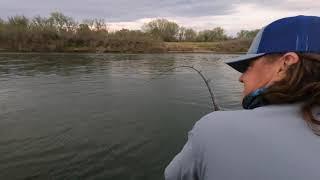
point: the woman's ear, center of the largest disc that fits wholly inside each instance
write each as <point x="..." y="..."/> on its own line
<point x="284" y="62"/>
<point x="289" y="59"/>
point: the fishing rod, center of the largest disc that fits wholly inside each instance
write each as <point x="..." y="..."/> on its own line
<point x="215" y="107"/>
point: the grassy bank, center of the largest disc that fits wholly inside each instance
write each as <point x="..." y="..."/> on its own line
<point x="229" y="46"/>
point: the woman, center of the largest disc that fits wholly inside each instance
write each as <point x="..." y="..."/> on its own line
<point x="276" y="137"/>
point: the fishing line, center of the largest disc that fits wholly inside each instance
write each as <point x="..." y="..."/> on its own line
<point x="215" y="106"/>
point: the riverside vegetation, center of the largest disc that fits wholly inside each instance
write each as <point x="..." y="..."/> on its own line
<point x="60" y="33"/>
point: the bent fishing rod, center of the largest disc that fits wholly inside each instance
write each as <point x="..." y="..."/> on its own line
<point x="215" y="106"/>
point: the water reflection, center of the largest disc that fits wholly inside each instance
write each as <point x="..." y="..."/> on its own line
<point x="62" y="64"/>
<point x="67" y="64"/>
<point x="89" y="116"/>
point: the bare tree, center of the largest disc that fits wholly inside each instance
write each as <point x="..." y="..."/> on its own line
<point x="166" y="30"/>
<point x="216" y="34"/>
<point x="247" y="34"/>
<point x="190" y="35"/>
<point x="61" y="22"/>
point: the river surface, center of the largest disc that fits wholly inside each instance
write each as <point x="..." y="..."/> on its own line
<point x="106" y="116"/>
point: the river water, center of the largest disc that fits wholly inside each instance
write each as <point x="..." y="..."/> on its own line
<point x="106" y="116"/>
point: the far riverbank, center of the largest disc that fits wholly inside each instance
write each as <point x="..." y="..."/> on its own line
<point x="226" y="47"/>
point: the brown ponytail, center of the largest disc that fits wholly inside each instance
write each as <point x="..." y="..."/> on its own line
<point x="301" y="84"/>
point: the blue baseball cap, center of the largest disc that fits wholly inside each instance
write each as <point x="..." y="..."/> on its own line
<point x="291" y="34"/>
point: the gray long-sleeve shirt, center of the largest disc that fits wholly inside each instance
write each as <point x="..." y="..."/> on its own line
<point x="267" y="143"/>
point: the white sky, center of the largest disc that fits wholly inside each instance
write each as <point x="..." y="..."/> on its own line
<point x="232" y="15"/>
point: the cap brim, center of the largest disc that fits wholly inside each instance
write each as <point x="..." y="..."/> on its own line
<point x="241" y="63"/>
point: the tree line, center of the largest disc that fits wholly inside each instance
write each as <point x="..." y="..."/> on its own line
<point x="170" y="31"/>
<point x="62" y="33"/>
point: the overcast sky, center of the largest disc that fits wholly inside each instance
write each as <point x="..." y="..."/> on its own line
<point x="232" y="15"/>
